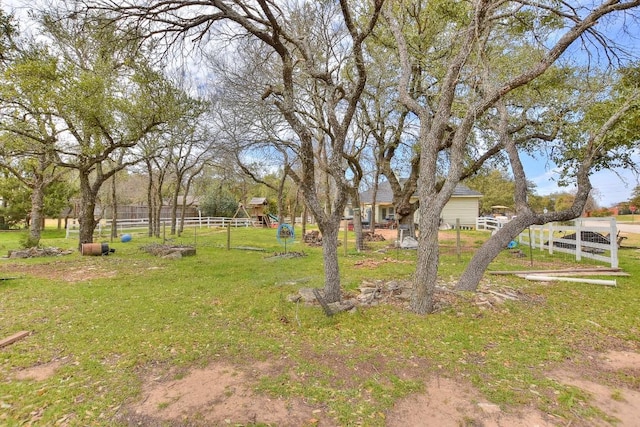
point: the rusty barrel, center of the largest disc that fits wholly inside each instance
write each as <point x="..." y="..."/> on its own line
<point x="94" y="249"/>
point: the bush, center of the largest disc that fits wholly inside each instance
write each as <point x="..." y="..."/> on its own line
<point x="219" y="203"/>
<point x="600" y="213"/>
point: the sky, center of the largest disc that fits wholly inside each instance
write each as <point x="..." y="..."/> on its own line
<point x="611" y="186"/>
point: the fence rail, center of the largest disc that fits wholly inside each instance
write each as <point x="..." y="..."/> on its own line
<point x="490" y="223"/>
<point x="130" y="225"/>
<point x="594" y="242"/>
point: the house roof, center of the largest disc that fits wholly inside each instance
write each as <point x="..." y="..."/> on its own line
<point x="385" y="195"/>
<point x="257" y="201"/>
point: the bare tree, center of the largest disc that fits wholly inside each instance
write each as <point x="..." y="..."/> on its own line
<point x="192" y="148"/>
<point x="319" y="47"/>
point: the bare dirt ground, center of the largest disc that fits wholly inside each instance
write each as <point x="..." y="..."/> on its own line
<point x="226" y="394"/>
<point x="223" y="394"/>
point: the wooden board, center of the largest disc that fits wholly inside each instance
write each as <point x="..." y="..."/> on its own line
<point x="583" y="273"/>
<point x="565" y="270"/>
<point x="13" y="338"/>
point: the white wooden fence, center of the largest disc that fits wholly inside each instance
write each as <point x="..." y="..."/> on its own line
<point x="598" y="242"/>
<point x="490" y="223"/>
<point x="130" y="225"/>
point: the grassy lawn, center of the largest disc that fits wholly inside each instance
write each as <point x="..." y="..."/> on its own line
<point x="111" y="321"/>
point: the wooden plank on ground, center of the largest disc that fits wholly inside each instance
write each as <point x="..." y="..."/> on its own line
<point x="583" y="273"/>
<point x="13" y="338"/>
<point x="564" y="270"/>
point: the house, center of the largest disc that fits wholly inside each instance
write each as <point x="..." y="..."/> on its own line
<point x="463" y="205"/>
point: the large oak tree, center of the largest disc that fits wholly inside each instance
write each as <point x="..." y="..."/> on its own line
<point x="492" y="48"/>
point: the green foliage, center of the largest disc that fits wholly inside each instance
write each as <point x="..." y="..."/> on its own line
<point x="7" y="32"/>
<point x="16" y="202"/>
<point x="601" y="213"/>
<point x="496" y="188"/>
<point x="57" y="197"/>
<point x="219" y="202"/>
<point x="563" y="201"/>
<point x="635" y="197"/>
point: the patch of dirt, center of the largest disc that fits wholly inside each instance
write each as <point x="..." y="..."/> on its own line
<point x="448" y="403"/>
<point x="224" y="395"/>
<point x="619" y="360"/>
<point x="373" y="263"/>
<point x="612" y="380"/>
<point x="82" y="270"/>
<point x="218" y="395"/>
<point x="38" y="372"/>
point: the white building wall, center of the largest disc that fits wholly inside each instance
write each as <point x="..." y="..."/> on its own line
<point x="466" y="209"/>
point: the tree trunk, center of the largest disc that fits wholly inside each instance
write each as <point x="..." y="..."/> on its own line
<point x="427" y="262"/>
<point x="374" y="195"/>
<point x="114" y="208"/>
<point x="183" y="212"/>
<point x="280" y="203"/>
<point x="292" y="211"/>
<point x="406" y="223"/>
<point x="86" y="216"/>
<point x="174" y="207"/>
<point x="489" y="250"/>
<point x="37" y="207"/>
<point x="150" y="199"/>
<point x="332" y="290"/>
<point x="404" y="213"/>
<point x="157" y="218"/>
<point x="357" y="221"/>
<point x="304" y="219"/>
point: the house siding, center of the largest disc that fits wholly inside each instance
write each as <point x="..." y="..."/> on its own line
<point x="463" y="208"/>
<point x="463" y="204"/>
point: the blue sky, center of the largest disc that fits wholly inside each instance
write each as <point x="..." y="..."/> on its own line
<point x="611" y="186"/>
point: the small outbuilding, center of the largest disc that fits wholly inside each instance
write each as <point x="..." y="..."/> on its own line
<point x="257" y="210"/>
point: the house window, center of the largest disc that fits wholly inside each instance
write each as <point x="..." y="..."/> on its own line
<point x="387" y="213"/>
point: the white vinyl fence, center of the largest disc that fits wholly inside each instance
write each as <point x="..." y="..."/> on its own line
<point x="598" y="242"/>
<point x="130" y="225"/>
<point x="490" y="223"/>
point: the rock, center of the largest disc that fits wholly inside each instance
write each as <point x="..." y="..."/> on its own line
<point x="409" y="243"/>
<point x="38" y="252"/>
<point x="166" y="250"/>
<point x="369" y="236"/>
<point x="313" y="238"/>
